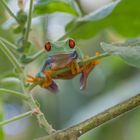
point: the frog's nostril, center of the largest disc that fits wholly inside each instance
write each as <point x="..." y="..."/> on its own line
<point x="71" y="43"/>
<point x="48" y="46"/>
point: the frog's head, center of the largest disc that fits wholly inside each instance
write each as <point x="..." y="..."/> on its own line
<point x="60" y="47"/>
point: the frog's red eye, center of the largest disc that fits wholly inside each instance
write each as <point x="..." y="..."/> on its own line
<point x="48" y="46"/>
<point x="71" y="43"/>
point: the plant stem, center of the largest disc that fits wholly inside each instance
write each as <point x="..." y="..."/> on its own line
<point x="11" y="57"/>
<point x="13" y="46"/>
<point x="40" y="116"/>
<point x="29" y="59"/>
<point x="8" y="9"/>
<point x="28" y="22"/>
<point x="15" y="93"/>
<point x="44" y="123"/>
<point x="16" y="118"/>
<point x="38" y="54"/>
<point x="103" y="55"/>
<point x="95" y="121"/>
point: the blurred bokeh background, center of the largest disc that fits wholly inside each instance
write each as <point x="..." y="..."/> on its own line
<point x="108" y="84"/>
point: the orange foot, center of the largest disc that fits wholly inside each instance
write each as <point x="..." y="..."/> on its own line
<point x="34" y="80"/>
<point x="43" y="82"/>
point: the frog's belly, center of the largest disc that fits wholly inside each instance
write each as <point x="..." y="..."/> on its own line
<point x="61" y="60"/>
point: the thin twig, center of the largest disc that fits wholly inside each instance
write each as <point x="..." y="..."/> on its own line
<point x="28" y="22"/>
<point x="95" y="121"/>
<point x="8" y="9"/>
<point x="33" y="106"/>
<point x="29" y="59"/>
<point x="22" y="116"/>
<point x="13" y="46"/>
<point x="15" y="93"/>
<point x="40" y="116"/>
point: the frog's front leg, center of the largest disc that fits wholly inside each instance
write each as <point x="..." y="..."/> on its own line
<point x="49" y="83"/>
<point x="45" y="65"/>
<point x="47" y="76"/>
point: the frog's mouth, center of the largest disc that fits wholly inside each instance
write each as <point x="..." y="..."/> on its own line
<point x="61" y="53"/>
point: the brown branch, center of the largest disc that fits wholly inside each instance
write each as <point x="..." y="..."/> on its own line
<point x="72" y="133"/>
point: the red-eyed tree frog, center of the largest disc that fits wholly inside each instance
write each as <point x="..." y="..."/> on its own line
<point x="63" y="54"/>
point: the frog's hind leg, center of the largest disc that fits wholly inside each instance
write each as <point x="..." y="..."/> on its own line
<point x="49" y="83"/>
<point x="87" y="68"/>
<point x="53" y="87"/>
<point x="83" y="79"/>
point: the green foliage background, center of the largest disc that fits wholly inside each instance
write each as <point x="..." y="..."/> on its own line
<point x="111" y="82"/>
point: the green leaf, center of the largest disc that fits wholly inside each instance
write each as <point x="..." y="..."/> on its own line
<point x="76" y="6"/>
<point x="11" y="57"/>
<point x="12" y="83"/>
<point x="124" y="19"/>
<point x="100" y="13"/>
<point x="128" y="51"/>
<point x="5" y="65"/>
<point x="50" y="6"/>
